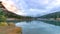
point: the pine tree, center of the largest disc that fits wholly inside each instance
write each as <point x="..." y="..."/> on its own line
<point x="2" y="16"/>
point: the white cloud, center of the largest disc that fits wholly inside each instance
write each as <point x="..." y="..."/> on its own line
<point x="35" y="7"/>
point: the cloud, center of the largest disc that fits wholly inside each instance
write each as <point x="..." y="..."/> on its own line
<point x="42" y="7"/>
<point x="37" y="7"/>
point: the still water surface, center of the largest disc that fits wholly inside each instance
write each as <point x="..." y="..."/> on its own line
<point x="38" y="27"/>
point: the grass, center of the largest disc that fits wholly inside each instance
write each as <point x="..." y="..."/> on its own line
<point x="9" y="29"/>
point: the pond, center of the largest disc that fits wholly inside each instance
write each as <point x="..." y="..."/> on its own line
<point x="39" y="27"/>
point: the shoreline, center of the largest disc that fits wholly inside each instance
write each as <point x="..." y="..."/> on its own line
<point x="10" y="29"/>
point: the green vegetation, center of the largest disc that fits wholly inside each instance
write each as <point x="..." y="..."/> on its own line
<point x="3" y="24"/>
<point x="52" y="15"/>
<point x="6" y="28"/>
<point x="2" y="16"/>
<point x="17" y="16"/>
<point x="9" y="28"/>
<point x="9" y="14"/>
<point x="12" y="15"/>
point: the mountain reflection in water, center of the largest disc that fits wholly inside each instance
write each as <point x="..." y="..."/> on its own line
<point x="38" y="27"/>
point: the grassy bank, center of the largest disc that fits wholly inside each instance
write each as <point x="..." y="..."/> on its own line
<point x="9" y="28"/>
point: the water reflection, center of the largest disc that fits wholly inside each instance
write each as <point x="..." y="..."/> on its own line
<point x="38" y="27"/>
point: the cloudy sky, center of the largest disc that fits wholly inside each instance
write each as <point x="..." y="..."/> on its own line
<point x="37" y="7"/>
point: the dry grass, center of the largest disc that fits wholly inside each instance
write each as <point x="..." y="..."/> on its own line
<point x="10" y="29"/>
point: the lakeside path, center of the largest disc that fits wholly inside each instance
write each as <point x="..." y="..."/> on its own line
<point x="10" y="30"/>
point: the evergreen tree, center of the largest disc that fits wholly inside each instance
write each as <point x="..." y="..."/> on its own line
<point x="2" y="16"/>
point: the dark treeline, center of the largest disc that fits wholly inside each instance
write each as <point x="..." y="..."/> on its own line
<point x="51" y="15"/>
<point x="7" y="14"/>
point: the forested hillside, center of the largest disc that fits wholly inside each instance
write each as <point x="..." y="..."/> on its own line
<point x="52" y="15"/>
<point x="9" y="14"/>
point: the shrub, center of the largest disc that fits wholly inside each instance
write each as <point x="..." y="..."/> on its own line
<point x="3" y="24"/>
<point x="2" y="16"/>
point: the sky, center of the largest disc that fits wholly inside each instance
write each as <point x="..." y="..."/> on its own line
<point x="35" y="7"/>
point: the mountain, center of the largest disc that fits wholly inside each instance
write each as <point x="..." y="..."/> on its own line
<point x="12" y="15"/>
<point x="51" y="15"/>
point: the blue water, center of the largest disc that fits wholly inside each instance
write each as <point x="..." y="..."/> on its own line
<point x="38" y="27"/>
